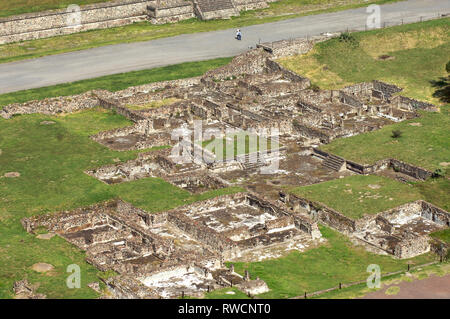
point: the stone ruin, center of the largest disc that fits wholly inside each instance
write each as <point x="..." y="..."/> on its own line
<point x="402" y="231"/>
<point x="180" y="251"/>
<point x="24" y="290"/>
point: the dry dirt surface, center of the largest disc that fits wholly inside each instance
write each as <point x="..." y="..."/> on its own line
<point x="433" y="287"/>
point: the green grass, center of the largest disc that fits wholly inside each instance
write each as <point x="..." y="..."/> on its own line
<point x="420" y="52"/>
<point x="116" y="82"/>
<point x="321" y="268"/>
<point x="443" y="235"/>
<point x="145" y="31"/>
<point x="435" y="191"/>
<point x="222" y="294"/>
<point x="358" y="291"/>
<point x="259" y="143"/>
<point x="353" y="197"/>
<point x="426" y="145"/>
<point x="51" y="160"/>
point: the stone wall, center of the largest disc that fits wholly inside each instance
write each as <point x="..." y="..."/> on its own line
<point x="250" y="62"/>
<point x="273" y="66"/>
<point x="411" y="247"/>
<point x="406" y="103"/>
<point x="170" y="11"/>
<point x="244" y="5"/>
<point x="325" y="214"/>
<point x="435" y="214"/>
<point x="365" y="169"/>
<point x="52" y="23"/>
<point x="295" y="46"/>
<point x="52" y="106"/>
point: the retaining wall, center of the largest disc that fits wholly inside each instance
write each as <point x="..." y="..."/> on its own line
<point x="57" y="22"/>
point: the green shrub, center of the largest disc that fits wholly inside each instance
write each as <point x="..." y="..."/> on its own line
<point x="396" y="134"/>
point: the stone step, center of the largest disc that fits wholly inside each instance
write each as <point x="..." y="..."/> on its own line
<point x="333" y="162"/>
<point x="215" y="9"/>
<point x="214" y="5"/>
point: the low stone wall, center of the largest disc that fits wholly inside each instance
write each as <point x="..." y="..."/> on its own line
<point x="250" y="62"/>
<point x="288" y="74"/>
<point x="412" y="247"/>
<point x="385" y="90"/>
<point x="409" y="104"/>
<point x="435" y="214"/>
<point x="310" y="132"/>
<point x="52" y="106"/>
<point x="68" y="219"/>
<point x="170" y="11"/>
<point x="90" y="99"/>
<point x="115" y="106"/>
<point x="410" y="170"/>
<point x="324" y="213"/>
<point x="295" y="46"/>
<point x="244" y="5"/>
<point x="57" y="22"/>
<point x="365" y="169"/>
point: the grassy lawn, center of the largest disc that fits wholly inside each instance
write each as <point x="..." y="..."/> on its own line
<point x="320" y="268"/>
<point x="116" y="82"/>
<point x="426" y="144"/>
<point x="357" y="195"/>
<point x="226" y="293"/>
<point x="51" y="160"/>
<point x="358" y="291"/>
<point x="153" y="104"/>
<point x="419" y="53"/>
<point x="145" y="31"/>
<point x="443" y="235"/>
<point x="240" y="143"/>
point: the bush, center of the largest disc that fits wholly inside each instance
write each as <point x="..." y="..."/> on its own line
<point x="439" y="172"/>
<point x="396" y="133"/>
<point x="347" y="38"/>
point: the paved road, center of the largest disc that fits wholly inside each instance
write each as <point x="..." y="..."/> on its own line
<point x="119" y="58"/>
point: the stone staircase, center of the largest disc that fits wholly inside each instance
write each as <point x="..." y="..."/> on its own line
<point x="333" y="162"/>
<point x="252" y="161"/>
<point x="215" y="9"/>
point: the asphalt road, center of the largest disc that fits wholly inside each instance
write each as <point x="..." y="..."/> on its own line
<point x="120" y="58"/>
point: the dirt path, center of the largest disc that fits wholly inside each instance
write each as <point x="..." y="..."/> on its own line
<point x="433" y="287"/>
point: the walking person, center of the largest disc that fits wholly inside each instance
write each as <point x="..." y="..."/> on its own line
<point x="238" y="34"/>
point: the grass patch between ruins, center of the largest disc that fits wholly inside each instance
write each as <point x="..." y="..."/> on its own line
<point x="323" y="267"/>
<point x="420" y="52"/>
<point x="153" y="104"/>
<point x="115" y="82"/>
<point x="145" y="31"/>
<point x="51" y="160"/>
<point x="426" y="145"/>
<point x="357" y="195"/>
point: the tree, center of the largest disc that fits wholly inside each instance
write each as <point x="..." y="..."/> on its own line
<point x="443" y="86"/>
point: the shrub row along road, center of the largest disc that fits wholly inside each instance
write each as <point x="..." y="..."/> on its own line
<point x="68" y="67"/>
